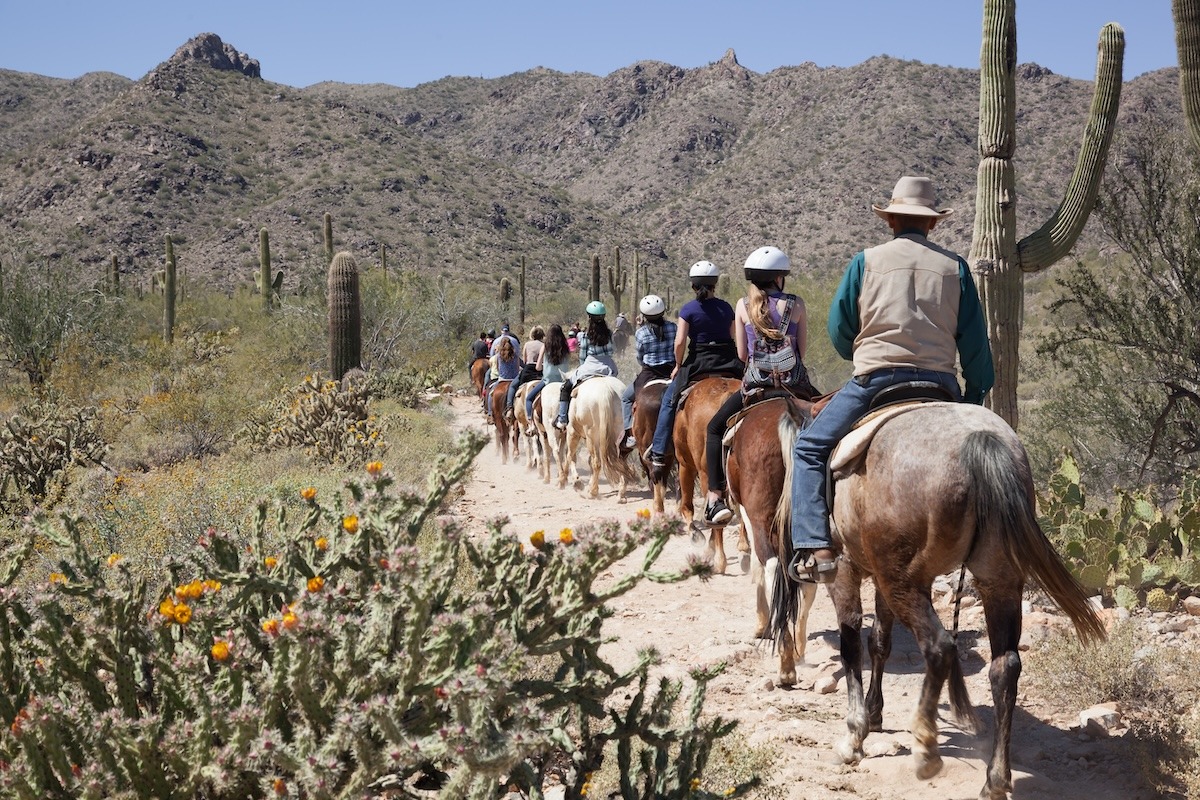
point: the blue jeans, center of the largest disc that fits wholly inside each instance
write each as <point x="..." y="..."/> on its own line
<point x="814" y="444"/>
<point x="627" y="406"/>
<point x="530" y="396"/>
<point x="666" y="420"/>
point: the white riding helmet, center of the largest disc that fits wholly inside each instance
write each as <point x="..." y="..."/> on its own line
<point x="652" y="305"/>
<point x="704" y="273"/>
<point x="767" y="262"/>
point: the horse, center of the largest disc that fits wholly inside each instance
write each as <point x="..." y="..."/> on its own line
<point x="551" y="441"/>
<point x="646" y="403"/>
<point x="479" y="370"/>
<point x="595" y="417"/>
<point x="534" y="455"/>
<point x="691" y="421"/>
<point x="755" y="467"/>
<point x="506" y="432"/>
<point x="940" y="486"/>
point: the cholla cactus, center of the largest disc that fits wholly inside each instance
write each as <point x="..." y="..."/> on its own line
<point x="40" y="443"/>
<point x="331" y="421"/>
<point x="342" y="660"/>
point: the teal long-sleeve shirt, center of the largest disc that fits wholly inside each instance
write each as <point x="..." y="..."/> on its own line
<point x="974" y="350"/>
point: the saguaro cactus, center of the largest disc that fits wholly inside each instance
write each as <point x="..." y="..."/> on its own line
<point x="998" y="260"/>
<point x="618" y="281"/>
<point x="594" y="286"/>
<point x="328" y="228"/>
<point x="522" y="288"/>
<point x="1187" y="45"/>
<point x="114" y="275"/>
<point x="169" y="294"/>
<point x="264" y="269"/>
<point x="345" y="316"/>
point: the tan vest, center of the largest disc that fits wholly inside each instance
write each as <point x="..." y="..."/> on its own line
<point x="908" y="308"/>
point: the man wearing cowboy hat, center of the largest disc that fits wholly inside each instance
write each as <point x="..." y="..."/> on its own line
<point x="902" y="312"/>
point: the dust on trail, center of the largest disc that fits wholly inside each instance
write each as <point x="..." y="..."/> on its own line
<point x="694" y="624"/>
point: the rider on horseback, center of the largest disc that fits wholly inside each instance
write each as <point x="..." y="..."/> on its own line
<point x="772" y="336"/>
<point x="655" y="351"/>
<point x="706" y="332"/>
<point x="595" y="358"/>
<point x="901" y="312"/>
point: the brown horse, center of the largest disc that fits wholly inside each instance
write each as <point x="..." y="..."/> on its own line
<point x="756" y="467"/>
<point x="506" y="432"/>
<point x="479" y="370"/>
<point x="943" y="485"/>
<point x="690" y="432"/>
<point x="646" y="403"/>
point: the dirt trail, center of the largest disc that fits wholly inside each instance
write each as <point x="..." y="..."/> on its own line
<point x="694" y="624"/>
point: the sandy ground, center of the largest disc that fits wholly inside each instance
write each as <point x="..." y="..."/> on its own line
<point x="696" y="624"/>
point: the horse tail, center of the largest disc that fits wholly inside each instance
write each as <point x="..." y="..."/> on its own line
<point x="789" y="425"/>
<point x="785" y="595"/>
<point x="609" y="436"/>
<point x="1004" y="509"/>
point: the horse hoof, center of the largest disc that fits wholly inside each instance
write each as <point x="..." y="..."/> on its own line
<point x="787" y="679"/>
<point x="928" y="766"/>
<point x="847" y="753"/>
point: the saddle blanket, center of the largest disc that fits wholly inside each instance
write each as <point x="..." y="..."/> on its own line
<point x="853" y="445"/>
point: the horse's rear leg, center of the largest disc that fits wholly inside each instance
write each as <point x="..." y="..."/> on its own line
<point x="847" y="601"/>
<point x="1002" y="608"/>
<point x="914" y="607"/>
<point x="879" y="644"/>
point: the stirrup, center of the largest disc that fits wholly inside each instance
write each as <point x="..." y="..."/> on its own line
<point x="717" y="513"/>
<point x="805" y="568"/>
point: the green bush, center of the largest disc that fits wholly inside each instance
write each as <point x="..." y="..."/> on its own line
<point x="344" y="661"/>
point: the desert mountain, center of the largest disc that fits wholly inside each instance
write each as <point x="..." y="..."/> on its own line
<point x="465" y="176"/>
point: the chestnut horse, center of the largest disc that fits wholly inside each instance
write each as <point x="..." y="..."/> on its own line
<point x="595" y="417"/>
<point x="479" y="370"/>
<point x="646" y="403"/>
<point x="691" y="423"/>
<point x="756" y="467"/>
<point x="506" y="432"/>
<point x="941" y="485"/>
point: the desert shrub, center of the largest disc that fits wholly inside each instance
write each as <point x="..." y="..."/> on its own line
<point x="1156" y="688"/>
<point x="343" y="661"/>
<point x="38" y="444"/>
<point x="1133" y="548"/>
<point x="328" y="421"/>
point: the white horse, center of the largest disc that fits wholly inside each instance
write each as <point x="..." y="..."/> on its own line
<point x="595" y="417"/>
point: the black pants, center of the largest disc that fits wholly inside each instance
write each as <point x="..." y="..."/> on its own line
<point x="712" y="442"/>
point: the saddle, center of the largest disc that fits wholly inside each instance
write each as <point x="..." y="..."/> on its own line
<point x="687" y="390"/>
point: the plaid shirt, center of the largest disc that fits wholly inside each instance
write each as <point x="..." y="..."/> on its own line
<point x="650" y="351"/>
<point x="586" y="348"/>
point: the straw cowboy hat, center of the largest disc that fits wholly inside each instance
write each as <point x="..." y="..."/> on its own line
<point x="913" y="197"/>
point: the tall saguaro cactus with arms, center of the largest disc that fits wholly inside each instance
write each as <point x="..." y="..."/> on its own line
<point x="1187" y="44"/>
<point x="997" y="258"/>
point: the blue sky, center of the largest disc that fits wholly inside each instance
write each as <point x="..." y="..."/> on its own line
<point x="406" y="43"/>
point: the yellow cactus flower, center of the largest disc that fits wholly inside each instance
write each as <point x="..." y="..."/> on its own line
<point x="290" y="620"/>
<point x="643" y="513"/>
<point x="220" y="650"/>
<point x="270" y="561"/>
<point x="279" y="786"/>
<point x="350" y="523"/>
<point x="565" y="536"/>
<point x="538" y="539"/>
<point x="271" y="626"/>
<point x="316" y="583"/>
<point x="212" y="585"/>
<point x="113" y="558"/>
<point x="322" y="543"/>
<point x="182" y="613"/>
<point x="695" y="784"/>
<point x="374" y="468"/>
<point x="308" y="493"/>
<point x="189" y="591"/>
<point x="57" y="577"/>
<point x="167" y="607"/>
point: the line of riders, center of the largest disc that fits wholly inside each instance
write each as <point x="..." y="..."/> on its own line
<point x="903" y="312"/>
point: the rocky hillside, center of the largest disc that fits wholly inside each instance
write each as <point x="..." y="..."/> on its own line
<point x="465" y="176"/>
